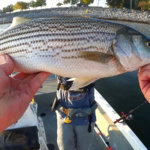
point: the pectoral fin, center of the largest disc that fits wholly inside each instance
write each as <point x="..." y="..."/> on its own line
<point x="96" y="56"/>
<point x="80" y="83"/>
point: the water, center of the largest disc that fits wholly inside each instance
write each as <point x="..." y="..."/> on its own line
<point x="123" y="93"/>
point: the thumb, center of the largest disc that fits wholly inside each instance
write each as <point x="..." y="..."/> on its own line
<point x="6" y="64"/>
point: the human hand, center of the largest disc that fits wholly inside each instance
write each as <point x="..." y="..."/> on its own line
<point x="17" y="92"/>
<point x="144" y="81"/>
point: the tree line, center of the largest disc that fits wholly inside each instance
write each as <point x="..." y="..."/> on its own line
<point x="23" y="5"/>
<point x="136" y="4"/>
<point x="74" y="2"/>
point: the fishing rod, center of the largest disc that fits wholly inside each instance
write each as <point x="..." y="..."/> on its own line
<point x="128" y="116"/>
<point x="106" y="143"/>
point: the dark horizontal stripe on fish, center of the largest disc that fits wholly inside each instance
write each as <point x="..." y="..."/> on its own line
<point x="51" y="40"/>
<point x="3" y="37"/>
<point x="81" y="49"/>
<point x="30" y="52"/>
<point x="64" y="20"/>
<point x="51" y="26"/>
<point x="20" y="51"/>
<point x="53" y="48"/>
<point x="29" y="31"/>
<point x="14" y="46"/>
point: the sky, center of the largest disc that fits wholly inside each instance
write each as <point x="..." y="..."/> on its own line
<point x="50" y="3"/>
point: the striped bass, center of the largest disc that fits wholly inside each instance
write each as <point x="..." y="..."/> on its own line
<point x="80" y="48"/>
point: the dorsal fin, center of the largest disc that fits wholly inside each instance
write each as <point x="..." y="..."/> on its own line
<point x="19" y="20"/>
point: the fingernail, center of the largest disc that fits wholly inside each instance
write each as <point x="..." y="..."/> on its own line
<point x="4" y="58"/>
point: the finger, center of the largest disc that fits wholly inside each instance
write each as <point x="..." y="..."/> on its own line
<point x="37" y="81"/>
<point x="4" y="82"/>
<point x="6" y="64"/>
<point x="144" y="79"/>
<point x="24" y="76"/>
<point x="144" y="75"/>
<point x="29" y="77"/>
<point x="144" y="82"/>
<point x="20" y="76"/>
<point x="145" y="88"/>
<point x="143" y="68"/>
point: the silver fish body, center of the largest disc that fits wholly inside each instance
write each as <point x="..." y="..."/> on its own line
<point x="74" y="47"/>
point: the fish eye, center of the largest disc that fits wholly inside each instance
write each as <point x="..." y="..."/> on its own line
<point x="148" y="44"/>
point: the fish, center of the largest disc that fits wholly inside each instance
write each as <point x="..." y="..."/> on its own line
<point x="83" y="49"/>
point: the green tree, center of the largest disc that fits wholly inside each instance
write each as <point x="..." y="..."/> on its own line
<point x="134" y="4"/>
<point x="114" y="3"/>
<point x="40" y="3"/>
<point x="87" y="2"/>
<point x="59" y="4"/>
<point x="9" y="8"/>
<point x="66" y="1"/>
<point x="148" y="5"/>
<point x="21" y="5"/>
<point x="73" y="2"/>
<point x="122" y="3"/>
<point x="32" y="4"/>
